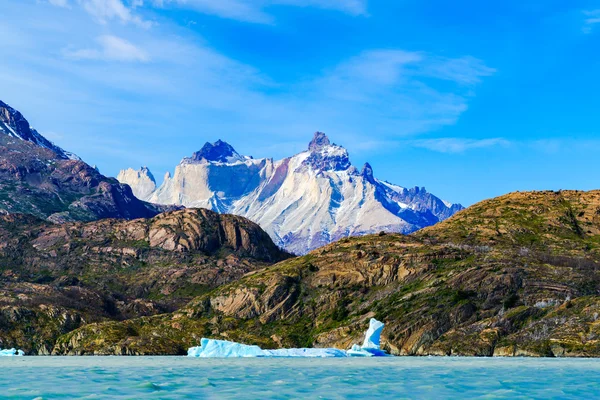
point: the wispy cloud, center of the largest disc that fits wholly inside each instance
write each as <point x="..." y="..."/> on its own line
<point x="352" y="7"/>
<point x="464" y="70"/>
<point x="592" y="18"/>
<point x="401" y="90"/>
<point x="111" y="48"/>
<point x="256" y="11"/>
<point x="106" y="10"/>
<point x="458" y="145"/>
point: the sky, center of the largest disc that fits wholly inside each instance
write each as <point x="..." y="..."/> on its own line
<point x="469" y="99"/>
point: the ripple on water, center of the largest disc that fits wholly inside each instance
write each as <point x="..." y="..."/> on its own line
<point x="395" y="378"/>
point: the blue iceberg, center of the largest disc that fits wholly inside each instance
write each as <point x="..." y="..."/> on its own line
<point x="11" y="353"/>
<point x="213" y="348"/>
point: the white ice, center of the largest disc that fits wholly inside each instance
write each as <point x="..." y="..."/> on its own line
<point x="212" y="348"/>
<point x="11" y="353"/>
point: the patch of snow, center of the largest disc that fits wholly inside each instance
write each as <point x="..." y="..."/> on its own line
<point x="395" y="188"/>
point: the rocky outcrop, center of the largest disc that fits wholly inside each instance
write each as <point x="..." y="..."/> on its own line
<point x="56" y="278"/>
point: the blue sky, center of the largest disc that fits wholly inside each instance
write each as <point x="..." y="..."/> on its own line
<point x="470" y="99"/>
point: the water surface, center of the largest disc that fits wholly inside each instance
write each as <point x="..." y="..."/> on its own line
<point x="390" y="378"/>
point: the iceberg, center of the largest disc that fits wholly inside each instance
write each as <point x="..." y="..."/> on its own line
<point x="11" y="353"/>
<point x="213" y="348"/>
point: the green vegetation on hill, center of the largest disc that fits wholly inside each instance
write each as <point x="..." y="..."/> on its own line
<point x="514" y="275"/>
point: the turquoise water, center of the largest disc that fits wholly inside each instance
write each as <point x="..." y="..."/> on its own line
<point x="392" y="378"/>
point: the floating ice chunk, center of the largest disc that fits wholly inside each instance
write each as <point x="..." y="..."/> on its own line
<point x="371" y="344"/>
<point x="373" y="335"/>
<point x="11" y="353"/>
<point x="212" y="348"/>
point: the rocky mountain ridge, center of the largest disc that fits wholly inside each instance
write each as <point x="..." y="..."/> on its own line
<point x="303" y="202"/>
<point x="39" y="178"/>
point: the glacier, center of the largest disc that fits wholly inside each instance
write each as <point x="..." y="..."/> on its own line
<point x="303" y="202"/>
<point x="214" y="348"/>
<point x="11" y="353"/>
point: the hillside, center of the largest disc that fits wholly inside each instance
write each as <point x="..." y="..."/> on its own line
<point x="55" y="278"/>
<point x="514" y="275"/>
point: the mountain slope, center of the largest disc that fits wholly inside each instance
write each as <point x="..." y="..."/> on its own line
<point x="39" y="178"/>
<point x="303" y="202"/>
<point x="55" y="278"/>
<point x="515" y="275"/>
<point x="13" y="124"/>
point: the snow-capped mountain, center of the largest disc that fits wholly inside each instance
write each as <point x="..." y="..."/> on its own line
<point x="12" y="123"/>
<point x="303" y="202"/>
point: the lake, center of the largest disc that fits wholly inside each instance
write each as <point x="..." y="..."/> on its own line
<point x="381" y="378"/>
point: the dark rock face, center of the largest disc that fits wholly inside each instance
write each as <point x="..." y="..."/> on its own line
<point x="319" y="141"/>
<point x="39" y="178"/>
<point x="367" y="173"/>
<point x="219" y="151"/>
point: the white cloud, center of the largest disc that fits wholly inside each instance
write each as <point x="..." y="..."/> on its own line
<point x="256" y="10"/>
<point x="458" y="145"/>
<point x="352" y="7"/>
<point x="464" y="70"/>
<point x="241" y="10"/>
<point x="593" y="18"/>
<point x="401" y="89"/>
<point x="112" y="48"/>
<point x="106" y="10"/>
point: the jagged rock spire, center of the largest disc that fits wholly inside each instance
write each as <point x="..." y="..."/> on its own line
<point x="319" y="141"/>
<point x="219" y="151"/>
<point x="367" y="172"/>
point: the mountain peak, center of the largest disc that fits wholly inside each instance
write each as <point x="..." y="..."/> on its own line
<point x="218" y="151"/>
<point x="145" y="171"/>
<point x="367" y="172"/>
<point x="14" y="124"/>
<point x="319" y="141"/>
<point x="326" y="156"/>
